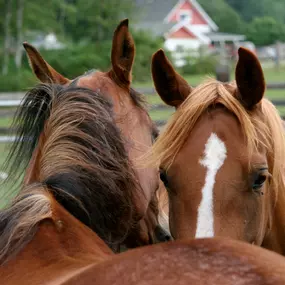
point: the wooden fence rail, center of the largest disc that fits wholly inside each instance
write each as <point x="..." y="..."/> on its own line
<point x="13" y="100"/>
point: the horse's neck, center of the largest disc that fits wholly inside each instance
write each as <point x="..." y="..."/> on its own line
<point x="60" y="246"/>
<point x="275" y="236"/>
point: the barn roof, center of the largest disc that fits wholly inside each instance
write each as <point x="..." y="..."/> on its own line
<point x="155" y="10"/>
<point x="153" y="13"/>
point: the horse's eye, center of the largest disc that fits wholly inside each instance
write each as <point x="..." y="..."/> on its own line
<point x="163" y="178"/>
<point x="258" y="182"/>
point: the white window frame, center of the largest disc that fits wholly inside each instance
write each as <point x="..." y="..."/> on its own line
<point x="186" y="13"/>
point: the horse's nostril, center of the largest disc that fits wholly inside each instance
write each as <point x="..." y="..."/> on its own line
<point x="162" y="235"/>
<point x="168" y="238"/>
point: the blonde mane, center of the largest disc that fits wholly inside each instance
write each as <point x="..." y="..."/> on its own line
<point x="263" y="126"/>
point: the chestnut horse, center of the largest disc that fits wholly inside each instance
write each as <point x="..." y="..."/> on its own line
<point x="202" y="261"/>
<point x="85" y="180"/>
<point x="131" y="118"/>
<point x="222" y="156"/>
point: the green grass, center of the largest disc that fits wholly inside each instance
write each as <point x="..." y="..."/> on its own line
<point x="5" y="189"/>
<point x="272" y="75"/>
<point x="5" y="122"/>
<point x="161" y="114"/>
<point x="3" y="154"/>
<point x="281" y="110"/>
<point x="154" y="100"/>
<point x="275" y="94"/>
<point x="192" y="79"/>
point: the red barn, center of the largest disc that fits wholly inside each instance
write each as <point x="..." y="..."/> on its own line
<point x="184" y="24"/>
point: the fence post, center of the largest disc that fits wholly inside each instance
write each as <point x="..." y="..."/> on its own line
<point x="222" y="67"/>
<point x="277" y="56"/>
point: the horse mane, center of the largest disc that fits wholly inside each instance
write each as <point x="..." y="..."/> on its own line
<point x="138" y="99"/>
<point x="28" y="124"/>
<point x="19" y="223"/>
<point x="260" y="126"/>
<point x="84" y="164"/>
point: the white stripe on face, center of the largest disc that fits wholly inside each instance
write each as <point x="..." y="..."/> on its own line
<point x="215" y="154"/>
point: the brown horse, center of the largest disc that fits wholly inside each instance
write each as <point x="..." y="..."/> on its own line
<point x="83" y="160"/>
<point x="222" y="156"/>
<point x="85" y="183"/>
<point x="202" y="261"/>
<point x="131" y="118"/>
<point x="68" y="253"/>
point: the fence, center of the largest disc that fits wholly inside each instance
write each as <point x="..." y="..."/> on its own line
<point x="12" y="100"/>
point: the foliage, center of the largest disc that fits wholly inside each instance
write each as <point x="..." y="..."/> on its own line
<point x="146" y="45"/>
<point x="262" y="21"/>
<point x="204" y="64"/>
<point x="226" y="18"/>
<point x="250" y="9"/>
<point x="17" y="81"/>
<point x="265" y="31"/>
<point x="96" y="20"/>
<point x="75" y="60"/>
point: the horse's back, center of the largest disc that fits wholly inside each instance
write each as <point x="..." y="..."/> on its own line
<point x="218" y="261"/>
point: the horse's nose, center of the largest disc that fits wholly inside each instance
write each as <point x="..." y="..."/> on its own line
<point x="161" y="235"/>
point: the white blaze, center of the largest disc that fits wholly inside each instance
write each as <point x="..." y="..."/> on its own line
<point x="214" y="156"/>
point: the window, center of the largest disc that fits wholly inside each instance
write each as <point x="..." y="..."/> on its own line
<point x="185" y="16"/>
<point x="179" y="48"/>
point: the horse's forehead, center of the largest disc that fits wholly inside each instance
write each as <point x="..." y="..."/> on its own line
<point x="217" y="120"/>
<point x="99" y="82"/>
<point x="87" y="74"/>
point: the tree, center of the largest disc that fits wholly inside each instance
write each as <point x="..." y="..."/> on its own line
<point x="227" y="19"/>
<point x="19" y="26"/>
<point x="249" y="9"/>
<point x="96" y="20"/>
<point x="265" y="31"/>
<point x="7" y="37"/>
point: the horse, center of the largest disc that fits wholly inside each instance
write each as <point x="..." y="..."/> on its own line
<point x="130" y="116"/>
<point x="222" y="156"/>
<point x="84" y="178"/>
<point x="220" y="261"/>
<point x="223" y="261"/>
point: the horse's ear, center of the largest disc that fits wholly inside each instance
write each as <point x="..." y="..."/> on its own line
<point x="249" y="78"/>
<point x="170" y="86"/>
<point x="44" y="72"/>
<point x="123" y="53"/>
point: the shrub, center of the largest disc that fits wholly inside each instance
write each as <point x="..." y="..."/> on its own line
<point x="146" y="46"/>
<point x="265" y="31"/>
<point x="203" y="64"/>
<point x="17" y="81"/>
<point x="76" y="59"/>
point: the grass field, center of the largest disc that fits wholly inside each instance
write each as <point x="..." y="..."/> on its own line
<point x="3" y="154"/>
<point x="5" y="121"/>
<point x="272" y="75"/>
